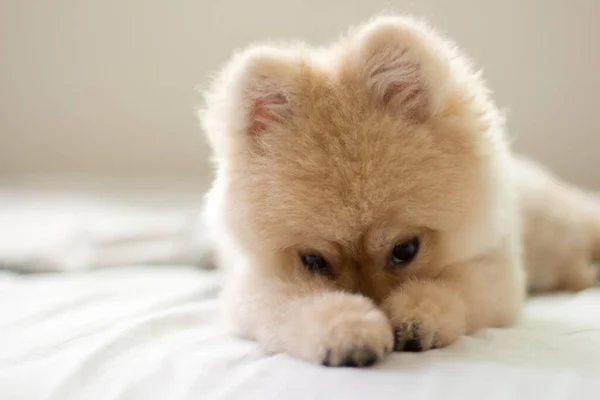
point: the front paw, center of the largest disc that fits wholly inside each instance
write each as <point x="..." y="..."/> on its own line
<point x="346" y="330"/>
<point x="425" y="316"/>
<point x="411" y="336"/>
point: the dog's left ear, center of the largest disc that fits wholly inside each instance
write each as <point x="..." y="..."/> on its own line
<point x="401" y="61"/>
<point x="252" y="95"/>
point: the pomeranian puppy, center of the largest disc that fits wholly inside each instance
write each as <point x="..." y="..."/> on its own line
<point x="366" y="199"/>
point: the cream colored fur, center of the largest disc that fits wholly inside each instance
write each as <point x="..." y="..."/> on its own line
<point x="346" y="150"/>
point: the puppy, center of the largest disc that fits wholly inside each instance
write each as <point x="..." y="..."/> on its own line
<point x="366" y="199"/>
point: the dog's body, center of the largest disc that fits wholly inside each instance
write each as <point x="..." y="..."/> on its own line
<point x="561" y="231"/>
<point x="366" y="199"/>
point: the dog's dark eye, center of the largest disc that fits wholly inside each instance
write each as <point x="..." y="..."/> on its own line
<point x="403" y="253"/>
<point x="316" y="263"/>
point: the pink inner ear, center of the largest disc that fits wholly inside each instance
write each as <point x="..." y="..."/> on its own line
<point x="407" y="93"/>
<point x="399" y="82"/>
<point x="266" y="109"/>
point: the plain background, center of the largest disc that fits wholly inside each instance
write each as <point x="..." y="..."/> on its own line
<point x="107" y="88"/>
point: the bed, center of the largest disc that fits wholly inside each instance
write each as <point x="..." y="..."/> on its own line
<point x="151" y="330"/>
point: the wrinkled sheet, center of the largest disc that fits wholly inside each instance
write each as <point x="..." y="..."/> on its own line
<point x="154" y="332"/>
<point x="44" y="230"/>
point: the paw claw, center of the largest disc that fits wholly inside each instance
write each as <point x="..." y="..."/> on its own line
<point x="413" y="345"/>
<point x="326" y="361"/>
<point x="360" y="357"/>
<point x="408" y="337"/>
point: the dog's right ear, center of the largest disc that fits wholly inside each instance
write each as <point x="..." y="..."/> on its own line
<point x="251" y="96"/>
<point x="404" y="64"/>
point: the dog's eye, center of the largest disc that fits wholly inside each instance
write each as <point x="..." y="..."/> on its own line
<point x="403" y="253"/>
<point x="316" y="264"/>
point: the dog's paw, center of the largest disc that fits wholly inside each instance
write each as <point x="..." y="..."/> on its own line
<point x="413" y="337"/>
<point x="345" y="330"/>
<point x="425" y="316"/>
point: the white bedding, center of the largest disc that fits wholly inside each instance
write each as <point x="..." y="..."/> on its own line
<point x="149" y="332"/>
<point x="154" y="333"/>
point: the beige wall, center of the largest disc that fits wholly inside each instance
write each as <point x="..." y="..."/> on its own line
<point x="106" y="87"/>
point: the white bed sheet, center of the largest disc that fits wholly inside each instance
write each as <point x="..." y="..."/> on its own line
<point x="151" y="332"/>
<point x="155" y="333"/>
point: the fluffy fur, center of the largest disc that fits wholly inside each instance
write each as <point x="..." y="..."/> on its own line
<point x="347" y="150"/>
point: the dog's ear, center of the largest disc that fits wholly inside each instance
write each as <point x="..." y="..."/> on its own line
<point x="402" y="63"/>
<point x="253" y="94"/>
<point x="265" y="89"/>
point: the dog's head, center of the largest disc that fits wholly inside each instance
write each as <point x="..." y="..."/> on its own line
<point x="362" y="164"/>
